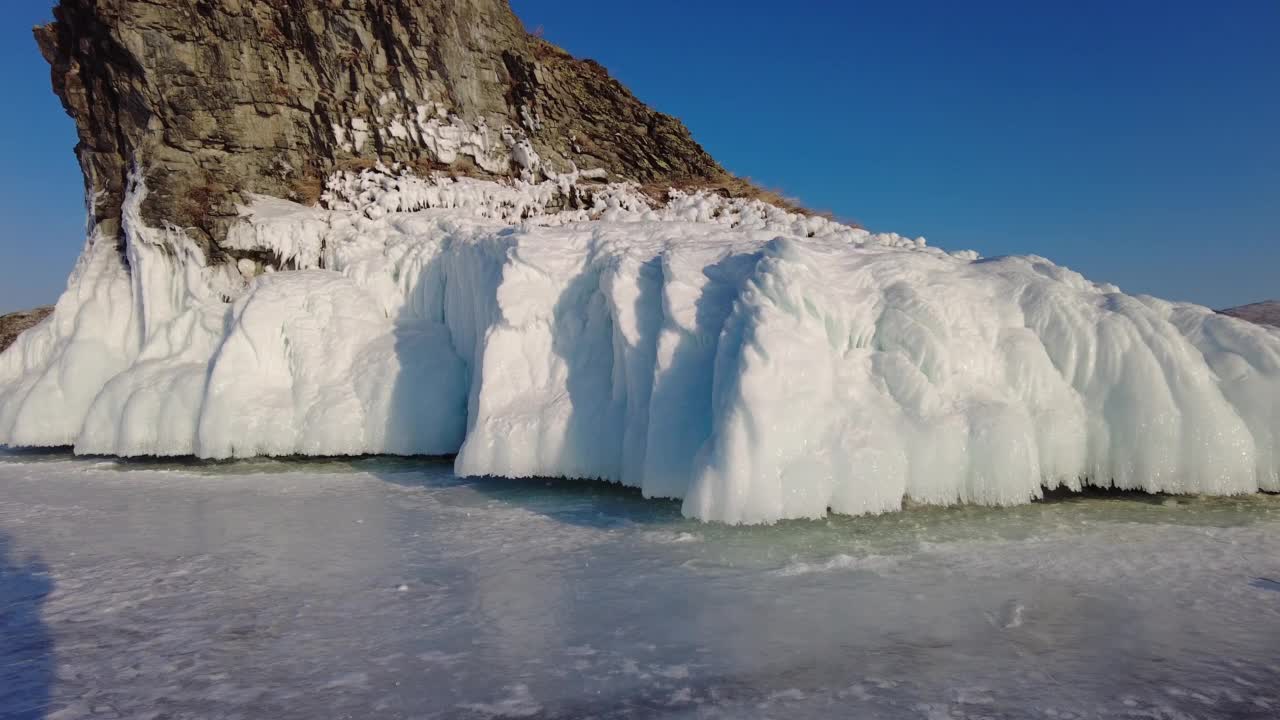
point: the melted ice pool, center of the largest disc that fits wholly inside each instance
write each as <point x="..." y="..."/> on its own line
<point x="391" y="588"/>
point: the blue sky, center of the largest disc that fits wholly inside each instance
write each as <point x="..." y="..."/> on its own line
<point x="1137" y="142"/>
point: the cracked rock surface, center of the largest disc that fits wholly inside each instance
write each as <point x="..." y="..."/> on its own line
<point x="216" y="99"/>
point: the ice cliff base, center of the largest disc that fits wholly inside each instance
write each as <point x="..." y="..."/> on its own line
<point x="756" y="363"/>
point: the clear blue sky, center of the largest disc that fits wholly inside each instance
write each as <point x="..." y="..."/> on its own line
<point x="1137" y="142"/>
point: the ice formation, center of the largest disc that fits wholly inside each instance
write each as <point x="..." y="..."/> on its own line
<point x="444" y="136"/>
<point x="758" y="364"/>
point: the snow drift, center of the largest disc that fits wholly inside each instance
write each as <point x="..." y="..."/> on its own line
<point x="758" y="364"/>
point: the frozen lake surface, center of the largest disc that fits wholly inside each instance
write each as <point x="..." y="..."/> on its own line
<point x="391" y="588"/>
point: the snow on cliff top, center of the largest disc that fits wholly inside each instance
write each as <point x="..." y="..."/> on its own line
<point x="756" y="363"/>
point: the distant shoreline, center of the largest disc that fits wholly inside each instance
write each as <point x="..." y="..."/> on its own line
<point x="1263" y="313"/>
<point x="14" y="324"/>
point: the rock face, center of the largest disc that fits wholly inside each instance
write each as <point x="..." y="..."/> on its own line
<point x="1263" y="313"/>
<point x="13" y="324"/>
<point x="215" y="99"/>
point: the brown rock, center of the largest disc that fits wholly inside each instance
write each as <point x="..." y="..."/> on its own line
<point x="214" y="99"/>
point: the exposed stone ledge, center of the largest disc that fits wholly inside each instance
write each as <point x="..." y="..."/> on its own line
<point x="217" y="100"/>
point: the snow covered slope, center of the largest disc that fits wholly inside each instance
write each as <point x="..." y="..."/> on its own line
<point x="758" y="364"/>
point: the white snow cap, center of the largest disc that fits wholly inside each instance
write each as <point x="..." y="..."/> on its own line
<point x="758" y="364"/>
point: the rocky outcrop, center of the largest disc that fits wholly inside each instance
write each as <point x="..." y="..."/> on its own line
<point x="1263" y="313"/>
<point x="216" y="99"/>
<point x="14" y="324"/>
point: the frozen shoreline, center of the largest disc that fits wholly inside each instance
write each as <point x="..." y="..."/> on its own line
<point x="301" y="588"/>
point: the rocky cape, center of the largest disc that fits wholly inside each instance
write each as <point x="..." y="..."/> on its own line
<point x="215" y="101"/>
<point x="514" y="262"/>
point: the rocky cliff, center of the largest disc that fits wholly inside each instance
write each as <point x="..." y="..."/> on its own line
<point x="213" y="100"/>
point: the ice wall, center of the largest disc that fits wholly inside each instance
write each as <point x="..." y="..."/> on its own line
<point x="758" y="364"/>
